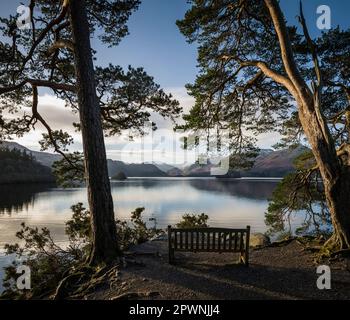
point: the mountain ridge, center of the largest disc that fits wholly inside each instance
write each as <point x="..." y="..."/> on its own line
<point x="268" y="163"/>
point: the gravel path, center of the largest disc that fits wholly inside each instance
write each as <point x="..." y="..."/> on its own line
<point x="286" y="272"/>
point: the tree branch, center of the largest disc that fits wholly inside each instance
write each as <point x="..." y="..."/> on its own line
<point x="13" y="88"/>
<point x="61" y="44"/>
<point x="52" y="85"/>
<point x="286" y="49"/>
<point x="340" y="85"/>
<point x="39" y="83"/>
<point x="42" y="35"/>
<point x="317" y="87"/>
<point x="274" y="75"/>
<point x="38" y="116"/>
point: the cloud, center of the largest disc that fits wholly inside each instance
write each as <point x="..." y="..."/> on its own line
<point x="267" y="140"/>
<point x="186" y="102"/>
<point x="58" y="116"/>
<point x="180" y="94"/>
<point x="53" y="110"/>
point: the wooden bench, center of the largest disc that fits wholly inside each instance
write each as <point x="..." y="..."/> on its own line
<point x="209" y="240"/>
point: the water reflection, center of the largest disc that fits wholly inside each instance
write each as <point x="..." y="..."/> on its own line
<point x="15" y="199"/>
<point x="230" y="203"/>
<point x="250" y="188"/>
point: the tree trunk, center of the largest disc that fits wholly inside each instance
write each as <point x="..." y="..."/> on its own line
<point x="335" y="174"/>
<point x="338" y="199"/>
<point x="104" y="235"/>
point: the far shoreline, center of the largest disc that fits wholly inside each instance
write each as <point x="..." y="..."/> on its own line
<point x="55" y="185"/>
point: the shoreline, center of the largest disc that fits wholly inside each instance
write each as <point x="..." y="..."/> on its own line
<point x="54" y="185"/>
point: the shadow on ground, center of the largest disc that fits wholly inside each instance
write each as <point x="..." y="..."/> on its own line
<point x="274" y="273"/>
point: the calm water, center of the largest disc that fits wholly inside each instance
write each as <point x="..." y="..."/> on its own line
<point x="229" y="203"/>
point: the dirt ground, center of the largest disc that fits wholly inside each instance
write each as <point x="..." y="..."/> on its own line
<point x="286" y="272"/>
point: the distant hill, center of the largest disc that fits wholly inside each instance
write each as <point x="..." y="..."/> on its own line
<point x="169" y="169"/>
<point x="114" y="167"/>
<point x="198" y="170"/>
<point x="275" y="163"/>
<point x="134" y="170"/>
<point x="268" y="163"/>
<point x="45" y="158"/>
<point x="19" y="166"/>
<point x="175" y="172"/>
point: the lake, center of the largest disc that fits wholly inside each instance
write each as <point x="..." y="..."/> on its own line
<point x="228" y="202"/>
<point x="232" y="203"/>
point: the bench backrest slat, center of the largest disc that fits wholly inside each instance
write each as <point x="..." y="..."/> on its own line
<point x="175" y="240"/>
<point x="241" y="242"/>
<point x="207" y="229"/>
<point x="236" y="241"/>
<point x="202" y="235"/>
<point x="230" y="241"/>
<point x="208" y="239"/>
<point x="197" y="240"/>
<point x="224" y="236"/>
<point x="214" y="241"/>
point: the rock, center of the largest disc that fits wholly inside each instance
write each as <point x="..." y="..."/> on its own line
<point x="159" y="237"/>
<point x="259" y="240"/>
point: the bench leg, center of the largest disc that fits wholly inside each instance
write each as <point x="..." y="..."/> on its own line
<point x="246" y="258"/>
<point x="243" y="259"/>
<point x="171" y="256"/>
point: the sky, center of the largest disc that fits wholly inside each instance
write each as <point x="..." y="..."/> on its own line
<point x="156" y="44"/>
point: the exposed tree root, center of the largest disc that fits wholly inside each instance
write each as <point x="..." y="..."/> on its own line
<point x="332" y="250"/>
<point x="84" y="280"/>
